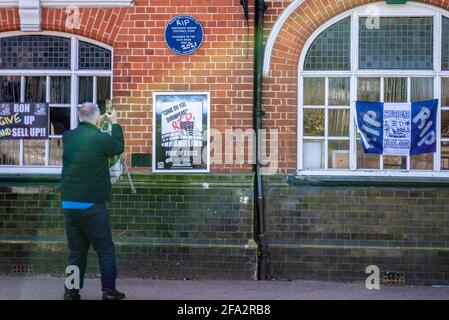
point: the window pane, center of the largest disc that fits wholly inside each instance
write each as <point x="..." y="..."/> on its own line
<point x="395" y="162"/>
<point x="35" y="52"/>
<point x="395" y="90"/>
<point x="398" y="43"/>
<point x="338" y="154"/>
<point x="331" y="49"/>
<point x="35" y="89"/>
<point x="314" y="91"/>
<point x="9" y="152"/>
<point x="103" y="88"/>
<point x="445" y="45"/>
<point x="314" y="122"/>
<point x="34" y="152"/>
<point x="55" y="149"/>
<point x="422" y="161"/>
<point x="60" y="90"/>
<point x="338" y="122"/>
<point x="445" y="92"/>
<point x="59" y="120"/>
<point x="93" y="57"/>
<point x="445" y="155"/>
<point x="9" y="89"/>
<point x="338" y="91"/>
<point x="368" y="89"/>
<point x="366" y="160"/>
<point x="313" y="155"/>
<point x="86" y="90"/>
<point x="445" y="124"/>
<point x="422" y="89"/>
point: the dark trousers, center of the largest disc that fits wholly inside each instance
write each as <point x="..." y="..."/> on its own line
<point x="91" y="226"/>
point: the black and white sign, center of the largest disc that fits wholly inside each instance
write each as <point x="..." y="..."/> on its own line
<point x="24" y="120"/>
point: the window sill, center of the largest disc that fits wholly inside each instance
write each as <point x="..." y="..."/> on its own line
<point x="353" y="180"/>
<point x="29" y="178"/>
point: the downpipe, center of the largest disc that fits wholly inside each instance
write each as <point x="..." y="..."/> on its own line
<point x="261" y="239"/>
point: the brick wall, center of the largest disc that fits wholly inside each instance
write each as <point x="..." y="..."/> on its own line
<point x="143" y="64"/>
<point x="333" y="230"/>
<point x="175" y="226"/>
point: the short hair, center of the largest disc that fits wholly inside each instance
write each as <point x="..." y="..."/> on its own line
<point x="89" y="112"/>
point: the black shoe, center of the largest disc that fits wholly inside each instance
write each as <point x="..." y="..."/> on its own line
<point x="112" y="294"/>
<point x="72" y="294"/>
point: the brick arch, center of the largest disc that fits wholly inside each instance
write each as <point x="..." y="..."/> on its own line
<point x="101" y="24"/>
<point x="9" y="19"/>
<point x="280" y="83"/>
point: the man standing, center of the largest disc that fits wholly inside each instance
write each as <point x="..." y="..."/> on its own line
<point x="85" y="189"/>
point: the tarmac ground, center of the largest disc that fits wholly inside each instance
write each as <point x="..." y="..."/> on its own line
<point x="51" y="288"/>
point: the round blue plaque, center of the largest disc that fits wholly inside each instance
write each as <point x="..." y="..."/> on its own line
<point x="184" y="35"/>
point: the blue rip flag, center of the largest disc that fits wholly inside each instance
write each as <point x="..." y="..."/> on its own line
<point x="397" y="129"/>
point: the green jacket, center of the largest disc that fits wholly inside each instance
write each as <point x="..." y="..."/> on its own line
<point x="85" y="171"/>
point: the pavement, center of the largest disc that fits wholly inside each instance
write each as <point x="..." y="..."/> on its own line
<point x="51" y="288"/>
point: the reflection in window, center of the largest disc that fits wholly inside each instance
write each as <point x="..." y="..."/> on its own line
<point x="86" y="90"/>
<point x="338" y="122"/>
<point x="422" y="161"/>
<point x="9" y="89"/>
<point x="34" y="152"/>
<point x="60" y="90"/>
<point x="35" y="89"/>
<point x="313" y="122"/>
<point x="9" y="152"/>
<point x="103" y="88"/>
<point x="445" y="155"/>
<point x="445" y="92"/>
<point x="395" y="90"/>
<point x="338" y="154"/>
<point x="59" y="120"/>
<point x="445" y="44"/>
<point x="445" y="124"/>
<point x="421" y="89"/>
<point x="366" y="160"/>
<point x="55" y="149"/>
<point x="395" y="162"/>
<point x="339" y="91"/>
<point x="314" y="91"/>
<point x="368" y="89"/>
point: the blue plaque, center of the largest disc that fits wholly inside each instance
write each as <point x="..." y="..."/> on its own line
<point x="184" y="35"/>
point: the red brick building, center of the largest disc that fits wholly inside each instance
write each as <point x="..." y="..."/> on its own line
<point x="328" y="212"/>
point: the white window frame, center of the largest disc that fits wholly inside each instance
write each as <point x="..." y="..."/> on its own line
<point x="410" y="9"/>
<point x="74" y="73"/>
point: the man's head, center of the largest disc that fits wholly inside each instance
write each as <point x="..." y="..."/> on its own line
<point x="89" y="112"/>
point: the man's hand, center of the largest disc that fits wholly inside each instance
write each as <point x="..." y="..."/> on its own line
<point x="112" y="117"/>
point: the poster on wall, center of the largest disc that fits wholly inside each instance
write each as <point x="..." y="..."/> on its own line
<point x="181" y="132"/>
<point x="24" y="121"/>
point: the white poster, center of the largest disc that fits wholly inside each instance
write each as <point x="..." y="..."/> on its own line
<point x="181" y="132"/>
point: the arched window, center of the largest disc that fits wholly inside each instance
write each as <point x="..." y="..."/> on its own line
<point x="64" y="71"/>
<point x="373" y="53"/>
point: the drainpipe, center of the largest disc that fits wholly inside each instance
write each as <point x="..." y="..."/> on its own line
<point x="261" y="239"/>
